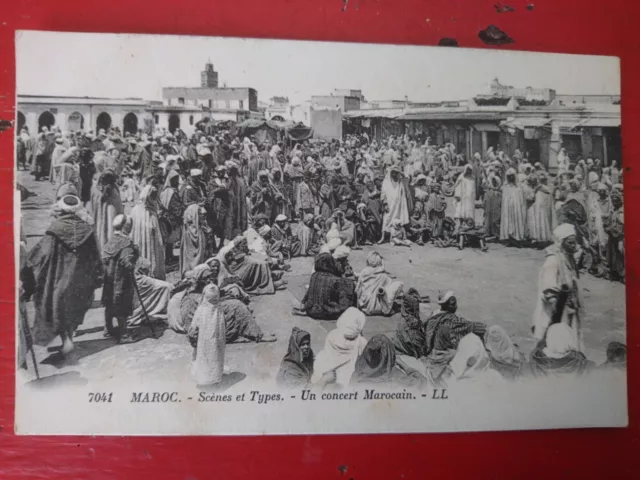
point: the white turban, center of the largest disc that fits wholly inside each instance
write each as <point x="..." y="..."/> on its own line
<point x="445" y="298"/>
<point x="563" y="231"/>
<point x="341" y="252"/>
<point x="264" y="230"/>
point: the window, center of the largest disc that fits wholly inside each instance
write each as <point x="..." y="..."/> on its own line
<point x="210" y="103"/>
<point x="190" y="119"/>
<point x="181" y="101"/>
<point x="156" y="119"/>
<point x="227" y="104"/>
<point x="241" y="104"/>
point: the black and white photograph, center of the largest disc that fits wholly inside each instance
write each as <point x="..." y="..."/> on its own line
<point x="227" y="236"/>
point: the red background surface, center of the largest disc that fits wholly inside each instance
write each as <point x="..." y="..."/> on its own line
<point x="570" y="26"/>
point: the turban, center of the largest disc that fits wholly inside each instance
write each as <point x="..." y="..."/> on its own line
<point x="445" y="298"/>
<point x="281" y="218"/>
<point x="563" y="231"/>
<point x="264" y="230"/>
<point x="70" y="204"/>
<point x="374" y="260"/>
<point x="66" y="189"/>
<point x="341" y="252"/>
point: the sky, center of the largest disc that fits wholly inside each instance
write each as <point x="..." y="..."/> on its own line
<point x="122" y="65"/>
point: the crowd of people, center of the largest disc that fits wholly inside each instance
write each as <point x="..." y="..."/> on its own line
<point x="238" y="211"/>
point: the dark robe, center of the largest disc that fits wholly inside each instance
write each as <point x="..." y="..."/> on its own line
<point x="217" y="207"/>
<point x="574" y="363"/>
<point x="574" y="211"/>
<point x="170" y="215"/>
<point x="119" y="256"/>
<point x="295" y="370"/>
<point x="255" y="274"/>
<point x="328" y="295"/>
<point x="66" y="266"/>
<point x="146" y="163"/>
<point x="284" y="242"/>
<point x="492" y="212"/>
<point x="264" y="199"/>
<point x="408" y="193"/>
<point x="377" y="365"/>
<point x="237" y="205"/>
<point x="326" y="200"/>
<point x="191" y="193"/>
<point x="410" y="338"/>
<point x="436" y="207"/>
<point x="373" y="204"/>
<point x="87" y="171"/>
<point x="444" y="330"/>
<point x="615" y="254"/>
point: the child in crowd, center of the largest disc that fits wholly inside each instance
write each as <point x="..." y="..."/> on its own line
<point x="471" y="236"/>
<point x="129" y="187"/>
<point x="398" y="234"/>
<point x="419" y="228"/>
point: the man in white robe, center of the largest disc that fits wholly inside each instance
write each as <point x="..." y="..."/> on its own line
<point x="559" y="298"/>
<point x="394" y="200"/>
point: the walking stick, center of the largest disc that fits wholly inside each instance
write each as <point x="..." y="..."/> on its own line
<point x="29" y="341"/>
<point x="144" y="310"/>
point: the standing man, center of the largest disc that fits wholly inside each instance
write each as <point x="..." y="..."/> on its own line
<point x="615" y="230"/>
<point x="66" y="267"/>
<point x="171" y="212"/>
<point x="237" y="200"/>
<point x="119" y="257"/>
<point x="559" y="298"/>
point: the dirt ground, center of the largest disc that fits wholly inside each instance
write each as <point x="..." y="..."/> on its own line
<point x="497" y="287"/>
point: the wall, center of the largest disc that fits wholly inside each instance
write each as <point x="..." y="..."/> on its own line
<point x="301" y="114"/>
<point x="328" y="101"/>
<point x="326" y="124"/>
<point x="351" y="103"/>
<point x="220" y="97"/>
<point x="32" y="112"/>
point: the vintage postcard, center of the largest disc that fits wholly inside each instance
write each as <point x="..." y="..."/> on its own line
<point x="220" y="236"/>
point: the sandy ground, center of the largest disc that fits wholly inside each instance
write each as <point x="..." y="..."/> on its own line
<point x="497" y="287"/>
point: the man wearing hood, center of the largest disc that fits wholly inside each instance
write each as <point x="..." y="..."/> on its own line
<point x="119" y="256"/>
<point x="66" y="267"/>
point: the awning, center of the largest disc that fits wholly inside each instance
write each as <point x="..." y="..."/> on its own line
<point x="486" y="127"/>
<point x="456" y="115"/>
<point x="598" y="122"/>
<point x="373" y="113"/>
<point x="523" y="123"/>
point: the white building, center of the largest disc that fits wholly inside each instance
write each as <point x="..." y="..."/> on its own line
<point x="81" y="113"/>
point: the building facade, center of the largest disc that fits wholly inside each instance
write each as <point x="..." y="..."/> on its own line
<point x="81" y="113"/>
<point x="180" y="108"/>
<point x="540" y="131"/>
<point x="341" y="99"/>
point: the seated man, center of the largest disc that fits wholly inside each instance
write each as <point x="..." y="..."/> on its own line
<point x="344" y="225"/>
<point x="471" y="236"/>
<point x="283" y="241"/>
<point x="328" y="295"/>
<point x="238" y="319"/>
<point x="419" y="228"/>
<point x="341" y="256"/>
<point x="275" y="259"/>
<point x="443" y="331"/>
<point x="256" y="275"/>
<point x="153" y="293"/>
<point x="309" y="235"/>
<point x="368" y="226"/>
<point x="398" y="234"/>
